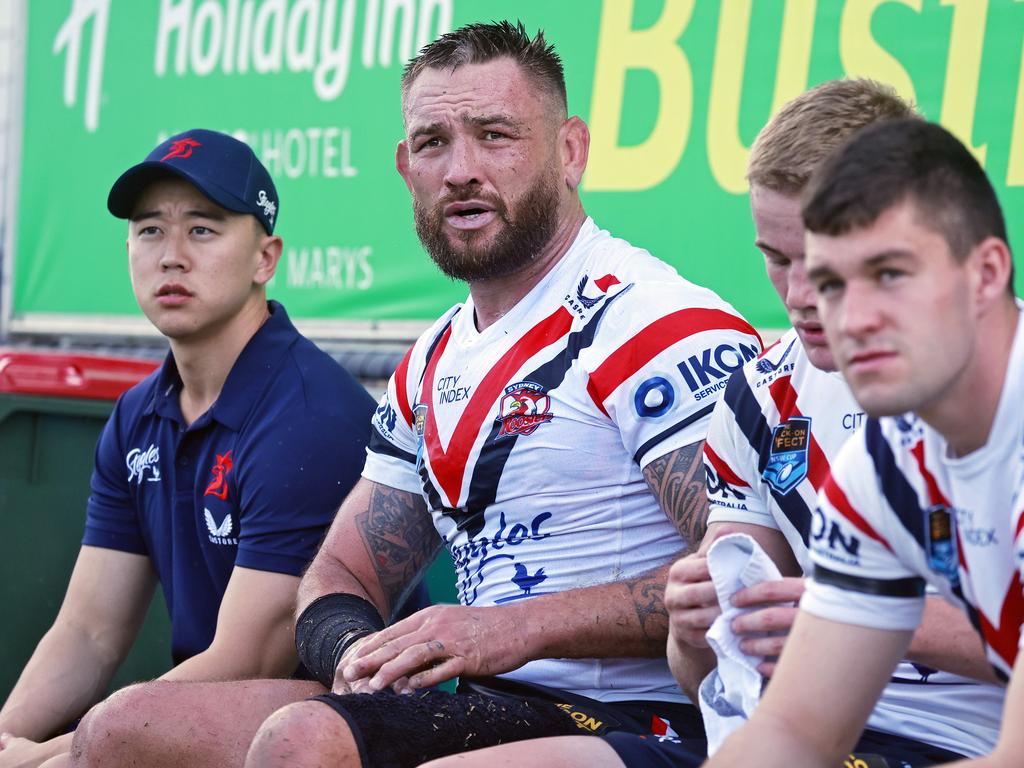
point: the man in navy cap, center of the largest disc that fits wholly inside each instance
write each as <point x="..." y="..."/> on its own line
<point x="217" y="475"/>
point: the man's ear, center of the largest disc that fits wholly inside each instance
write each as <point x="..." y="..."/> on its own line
<point x="574" y="149"/>
<point x="992" y="268"/>
<point x="402" y="162"/>
<point x="270" y="249"/>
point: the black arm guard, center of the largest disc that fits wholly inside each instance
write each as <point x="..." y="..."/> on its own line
<point x="328" y="626"/>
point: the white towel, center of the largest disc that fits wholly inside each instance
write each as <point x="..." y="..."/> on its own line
<point x="729" y="694"/>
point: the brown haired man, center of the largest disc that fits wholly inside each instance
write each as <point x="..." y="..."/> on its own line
<point x="907" y="251"/>
<point x="916" y="722"/>
<point x="545" y="430"/>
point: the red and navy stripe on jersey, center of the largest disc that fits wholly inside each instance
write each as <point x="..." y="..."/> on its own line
<point x="930" y="707"/>
<point x="919" y="515"/>
<point x="528" y="439"/>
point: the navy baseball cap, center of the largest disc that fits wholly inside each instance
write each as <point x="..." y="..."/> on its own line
<point x="223" y="168"/>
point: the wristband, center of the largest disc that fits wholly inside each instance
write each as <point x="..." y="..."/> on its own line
<point x="328" y="626"/>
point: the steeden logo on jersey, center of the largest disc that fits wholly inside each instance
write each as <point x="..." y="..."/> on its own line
<point x="139" y="460"/>
<point x="523" y="408"/>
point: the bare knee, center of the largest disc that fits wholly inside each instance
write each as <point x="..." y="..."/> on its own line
<point x="109" y="733"/>
<point x="307" y="734"/>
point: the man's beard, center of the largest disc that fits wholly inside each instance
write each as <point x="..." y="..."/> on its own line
<point x="516" y="244"/>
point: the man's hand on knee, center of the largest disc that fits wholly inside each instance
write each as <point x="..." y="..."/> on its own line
<point x="434" y="645"/>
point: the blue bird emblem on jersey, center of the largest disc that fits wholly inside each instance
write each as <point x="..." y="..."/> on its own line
<point x="525" y="581"/>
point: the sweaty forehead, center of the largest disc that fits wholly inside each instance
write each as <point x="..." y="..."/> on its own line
<point x="471" y="91"/>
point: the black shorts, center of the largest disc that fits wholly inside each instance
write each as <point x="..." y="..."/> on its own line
<point x="639" y="751"/>
<point x="395" y="731"/>
<point x="874" y="750"/>
<point x="900" y="752"/>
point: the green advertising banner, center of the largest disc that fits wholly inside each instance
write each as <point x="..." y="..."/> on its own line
<point x="674" y="92"/>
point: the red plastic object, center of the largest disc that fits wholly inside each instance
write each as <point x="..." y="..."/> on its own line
<point x="92" y="377"/>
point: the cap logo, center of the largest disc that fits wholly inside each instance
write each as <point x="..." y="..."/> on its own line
<point x="181" y="148"/>
<point x="269" y="206"/>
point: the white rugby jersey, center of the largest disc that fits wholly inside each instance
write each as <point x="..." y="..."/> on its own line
<point x="772" y="437"/>
<point x="914" y="515"/>
<point x="527" y="440"/>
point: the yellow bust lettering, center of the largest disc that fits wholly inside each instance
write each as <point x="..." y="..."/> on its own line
<point x="619" y="49"/>
<point x="963" y="68"/>
<point x="727" y="154"/>
<point x="860" y="53"/>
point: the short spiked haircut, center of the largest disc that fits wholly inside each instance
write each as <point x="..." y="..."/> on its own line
<point x="480" y="43"/>
<point x="812" y="126"/>
<point x="906" y="160"/>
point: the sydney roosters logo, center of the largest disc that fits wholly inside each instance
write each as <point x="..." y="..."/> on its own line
<point x="523" y="408"/>
<point x="219" y="485"/>
<point x="181" y="148"/>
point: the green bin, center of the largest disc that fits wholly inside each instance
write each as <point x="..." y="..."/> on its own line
<point x="52" y="409"/>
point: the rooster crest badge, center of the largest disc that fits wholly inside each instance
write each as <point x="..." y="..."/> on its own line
<point x="523" y="408"/>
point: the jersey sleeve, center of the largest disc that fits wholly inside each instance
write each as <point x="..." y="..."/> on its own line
<point x="660" y="362"/>
<point x="734" y="486"/>
<point x="111" y="521"/>
<point x="297" y="471"/>
<point x="391" y="455"/>
<point x="858" y="576"/>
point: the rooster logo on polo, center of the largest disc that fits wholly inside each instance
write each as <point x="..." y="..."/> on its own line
<point x="220" y="532"/>
<point x="523" y="408"/>
<point x="181" y="148"/>
<point x="219" y="485"/>
<point x="139" y="460"/>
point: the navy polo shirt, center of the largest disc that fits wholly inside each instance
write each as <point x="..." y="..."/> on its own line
<point x="254" y="482"/>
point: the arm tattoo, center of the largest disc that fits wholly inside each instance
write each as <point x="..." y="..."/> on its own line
<point x="649" y="602"/>
<point x="400" y="539"/>
<point x="677" y="480"/>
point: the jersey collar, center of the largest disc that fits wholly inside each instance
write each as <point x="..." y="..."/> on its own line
<point x="249" y="376"/>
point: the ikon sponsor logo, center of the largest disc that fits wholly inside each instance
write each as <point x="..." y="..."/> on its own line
<point x="654" y="398"/>
<point x="707" y="373"/>
<point x="139" y="460"/>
